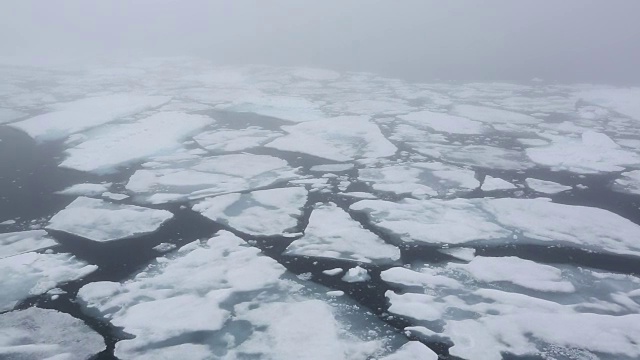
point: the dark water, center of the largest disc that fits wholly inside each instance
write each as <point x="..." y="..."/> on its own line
<point x="29" y="176"/>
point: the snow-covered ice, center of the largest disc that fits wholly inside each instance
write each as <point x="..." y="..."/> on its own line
<point x="85" y="189"/>
<point x="23" y="241"/>
<point x="545" y="186"/>
<point x="343" y="138"/>
<point x="628" y="182"/>
<point x="227" y="140"/>
<point x="270" y="212"/>
<point x="33" y="334"/>
<point x="331" y="168"/>
<point x="31" y="274"/>
<point x="101" y="221"/>
<point x="114" y="196"/>
<point x="491" y="183"/>
<point x="344" y="239"/>
<point x="356" y="274"/>
<point x="72" y="117"/>
<point x="443" y="122"/>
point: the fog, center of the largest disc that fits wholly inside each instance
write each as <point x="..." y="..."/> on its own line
<point x="422" y="40"/>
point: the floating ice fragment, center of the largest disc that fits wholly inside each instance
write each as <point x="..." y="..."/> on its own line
<point x="356" y="274"/>
<point x="85" y="189"/>
<point x="490" y="183"/>
<point x="546" y="187"/>
<point x="23" y="241"/>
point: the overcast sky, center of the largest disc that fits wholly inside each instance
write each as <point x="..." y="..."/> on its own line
<point x="560" y="40"/>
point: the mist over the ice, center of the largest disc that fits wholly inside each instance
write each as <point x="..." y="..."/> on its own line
<point x="421" y="40"/>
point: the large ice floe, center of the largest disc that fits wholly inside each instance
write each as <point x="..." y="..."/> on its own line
<point x="221" y="298"/>
<point x="342" y="138"/>
<point x="227" y="140"/>
<point x="34" y="334"/>
<point x="102" y="221"/>
<point x="344" y="239"/>
<point x="31" y="274"/>
<point x="23" y="241"/>
<point x="496" y="306"/>
<point x="261" y="213"/>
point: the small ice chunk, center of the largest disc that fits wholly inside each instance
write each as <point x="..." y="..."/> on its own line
<point x="164" y="247"/>
<point x="546" y="187"/>
<point x="344" y="239"/>
<point x="358" y="195"/>
<point x="23" y="241"/>
<point x="270" y="212"/>
<point x="331" y="168"/>
<point x="356" y="274"/>
<point x="462" y="253"/>
<point x="114" y="196"/>
<point x="412" y="350"/>
<point x="490" y="183"/>
<point x="36" y="333"/>
<point x="101" y="221"/>
<point x="31" y="274"/>
<point x="333" y="272"/>
<point x="8" y="222"/>
<point x="85" y="189"/>
<point x="335" y="293"/>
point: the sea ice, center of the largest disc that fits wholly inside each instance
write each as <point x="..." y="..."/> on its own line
<point x="34" y="334"/>
<point x="343" y="138"/>
<point x="331" y="168"/>
<point x="227" y="140"/>
<point x="546" y="187"/>
<point x="344" y="239"/>
<point x="114" y="196"/>
<point x="493" y="116"/>
<point x="86" y="189"/>
<point x="356" y="274"/>
<point x="443" y="122"/>
<point x="289" y="108"/>
<point x="628" y="182"/>
<point x="9" y="115"/>
<point x="413" y="350"/>
<point x="31" y="274"/>
<point x="23" y="241"/>
<point x="121" y="144"/>
<point x="270" y="212"/>
<point x="491" y="183"/>
<point x="80" y="115"/>
<point x="101" y="221"/>
<point x="483" y="156"/>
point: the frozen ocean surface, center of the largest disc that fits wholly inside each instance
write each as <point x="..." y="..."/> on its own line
<point x="169" y="208"/>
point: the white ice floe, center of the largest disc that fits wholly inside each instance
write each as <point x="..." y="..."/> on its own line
<point x="31" y="274"/>
<point x="18" y="242"/>
<point x="344" y="238"/>
<point x="227" y="140"/>
<point x="493" y="115"/>
<point x="197" y="177"/>
<point x="460" y="221"/>
<point x="164" y="247"/>
<point x="545" y="186"/>
<point x="491" y="183"/>
<point x="343" y="138"/>
<point x="420" y="179"/>
<point x="443" y="122"/>
<point x="358" y="195"/>
<point x="226" y="293"/>
<point x="462" y="253"/>
<point x="594" y="152"/>
<point x="413" y="350"/>
<point x="101" y="221"/>
<point x="270" y="212"/>
<point x="86" y="189"/>
<point x="114" y="196"/>
<point x="331" y="168"/>
<point x="80" y="115"/>
<point x="289" y="108"/>
<point x="621" y="100"/>
<point x="116" y="145"/>
<point x="494" y="306"/>
<point x="9" y="115"/>
<point x="333" y="272"/>
<point x="34" y="333"/>
<point x="628" y="182"/>
<point x="484" y="156"/>
<point x="356" y="274"/>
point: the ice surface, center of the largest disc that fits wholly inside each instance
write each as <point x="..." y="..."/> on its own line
<point x="164" y="247"/>
<point x="484" y="156"/>
<point x="413" y="350"/>
<point x="443" y="122"/>
<point x="9" y="115"/>
<point x="520" y="307"/>
<point x="333" y="272"/>
<point x="225" y="140"/>
<point x="493" y="115"/>
<point x="18" y="242"/>
<point x="491" y="183"/>
<point x="356" y="274"/>
<point x="344" y="239"/>
<point x="114" y="196"/>
<point x="546" y="187"/>
<point x="460" y="221"/>
<point x="462" y="253"/>
<point x="594" y="153"/>
<point x="101" y="221"/>
<point x="86" y="189"/>
<point x="224" y="294"/>
<point x="622" y="100"/>
<point x="270" y="212"/>
<point x="117" y="145"/>
<point x="34" y="334"/>
<point x="331" y="168"/>
<point x="628" y="182"/>
<point x="289" y="108"/>
<point x="34" y="274"/>
<point x="343" y="138"/>
<point x="79" y="115"/>
<point x="201" y="177"/>
<point x="420" y="179"/>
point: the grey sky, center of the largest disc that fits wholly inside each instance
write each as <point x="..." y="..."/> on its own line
<point x="563" y="40"/>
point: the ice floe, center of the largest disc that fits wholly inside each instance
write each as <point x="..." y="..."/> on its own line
<point x="331" y="168"/>
<point x="101" y="221"/>
<point x="34" y="334"/>
<point x="443" y="122"/>
<point x="227" y="140"/>
<point x="86" y="189"/>
<point x="23" y="241"/>
<point x="344" y="239"/>
<point x="491" y="183"/>
<point x="356" y="274"/>
<point x="545" y="186"/>
<point x="628" y="182"/>
<point x="79" y="115"/>
<point x="341" y="138"/>
<point x="31" y="274"/>
<point x="289" y="108"/>
<point x="121" y="144"/>
<point x="270" y="212"/>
